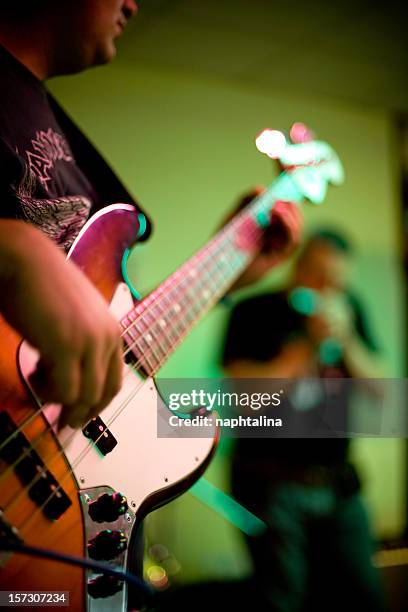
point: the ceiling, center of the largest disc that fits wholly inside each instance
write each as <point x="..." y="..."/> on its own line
<point x="356" y="51"/>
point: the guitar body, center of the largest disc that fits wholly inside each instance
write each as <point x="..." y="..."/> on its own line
<point x="66" y="491"/>
<point x="147" y="469"/>
<point x="21" y="572"/>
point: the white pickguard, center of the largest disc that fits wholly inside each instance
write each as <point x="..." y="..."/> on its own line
<point x="142" y="463"/>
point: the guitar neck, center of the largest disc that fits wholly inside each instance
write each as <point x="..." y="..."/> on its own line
<point x="159" y="323"/>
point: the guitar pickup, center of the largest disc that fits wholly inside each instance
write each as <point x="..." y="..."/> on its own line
<point x="28" y="466"/>
<point x="16" y="444"/>
<point x="100" y="435"/>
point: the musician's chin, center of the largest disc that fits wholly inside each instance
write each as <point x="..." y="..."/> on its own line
<point x="105" y="53"/>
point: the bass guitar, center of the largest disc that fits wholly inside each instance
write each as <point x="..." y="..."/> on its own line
<point x="81" y="494"/>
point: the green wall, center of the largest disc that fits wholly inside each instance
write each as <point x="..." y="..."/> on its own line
<point x="185" y="148"/>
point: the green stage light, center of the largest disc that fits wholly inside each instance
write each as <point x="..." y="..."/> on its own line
<point x="228" y="508"/>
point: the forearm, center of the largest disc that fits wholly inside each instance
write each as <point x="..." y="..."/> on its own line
<point x="14" y="237"/>
<point x="20" y="244"/>
<point x="51" y="304"/>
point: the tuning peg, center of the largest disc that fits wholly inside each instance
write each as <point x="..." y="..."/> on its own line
<point x="299" y="133"/>
<point x="271" y="142"/>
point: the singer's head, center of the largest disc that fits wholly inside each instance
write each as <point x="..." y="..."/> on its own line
<point x="323" y="261"/>
<point x="60" y="37"/>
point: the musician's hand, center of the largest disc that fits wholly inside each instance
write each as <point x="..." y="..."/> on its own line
<point x="280" y="239"/>
<point x="51" y="303"/>
<point x="335" y="319"/>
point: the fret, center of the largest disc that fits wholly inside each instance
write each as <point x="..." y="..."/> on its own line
<point x="188" y="295"/>
<point x="143" y="357"/>
<point x="156" y="329"/>
<point x="165" y="309"/>
<point x="152" y="338"/>
<point x="157" y="313"/>
<point x="215" y="274"/>
<point x="209" y="288"/>
<point x="147" y="336"/>
<point x="224" y="264"/>
<point x="158" y="324"/>
<point x="210" y="283"/>
<point x="129" y="332"/>
<point x="176" y="327"/>
<point x="141" y="342"/>
<point x="194" y="295"/>
<point x="187" y="315"/>
<point x="212" y="276"/>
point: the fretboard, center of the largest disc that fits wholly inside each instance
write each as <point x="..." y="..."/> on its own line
<point x="159" y="323"/>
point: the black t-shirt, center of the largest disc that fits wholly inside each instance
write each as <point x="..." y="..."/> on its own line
<point x="258" y="330"/>
<point x="50" y="174"/>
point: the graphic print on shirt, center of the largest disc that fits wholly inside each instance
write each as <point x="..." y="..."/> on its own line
<point x="48" y="147"/>
<point x="61" y="219"/>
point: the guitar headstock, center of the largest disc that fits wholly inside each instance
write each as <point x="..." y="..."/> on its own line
<point x="312" y="164"/>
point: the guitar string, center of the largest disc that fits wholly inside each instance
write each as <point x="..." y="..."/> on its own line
<point x="209" y="304"/>
<point x="249" y="213"/>
<point x="194" y="302"/>
<point x="85" y="451"/>
<point x="223" y="236"/>
<point x="198" y="259"/>
<point x="132" y="369"/>
<point x="202" y="262"/>
<point x="218" y="238"/>
<point x="34" y="443"/>
<point x="125" y="330"/>
<point x="144" y="357"/>
<point x="265" y="200"/>
<point x="151" y="328"/>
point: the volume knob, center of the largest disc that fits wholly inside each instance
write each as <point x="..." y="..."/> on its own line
<point x="108" y="507"/>
<point x="104" y="586"/>
<point x="107" y="544"/>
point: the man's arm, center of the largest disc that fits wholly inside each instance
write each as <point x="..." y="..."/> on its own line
<point x="280" y="239"/>
<point x="50" y="302"/>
